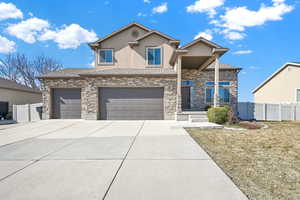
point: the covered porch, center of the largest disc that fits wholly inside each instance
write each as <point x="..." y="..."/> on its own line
<point x="190" y="61"/>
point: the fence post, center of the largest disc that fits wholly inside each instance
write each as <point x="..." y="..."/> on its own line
<point x="247" y="110"/>
<point x="15" y="112"/>
<point x="264" y="111"/>
<point x="29" y="115"/>
<point x="295" y="112"/>
<point x="279" y="112"/>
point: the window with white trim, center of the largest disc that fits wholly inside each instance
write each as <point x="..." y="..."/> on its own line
<point x="224" y="91"/>
<point x="224" y="95"/>
<point x="154" y="56"/>
<point x="106" y="56"/>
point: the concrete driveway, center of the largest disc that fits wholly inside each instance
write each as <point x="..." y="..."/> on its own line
<point x="113" y="160"/>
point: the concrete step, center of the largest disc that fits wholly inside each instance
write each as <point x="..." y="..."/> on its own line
<point x="197" y="116"/>
<point x="194" y="112"/>
<point x="198" y="120"/>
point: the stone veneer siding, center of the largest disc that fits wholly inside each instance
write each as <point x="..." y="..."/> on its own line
<point x="90" y="87"/>
<point x="198" y="89"/>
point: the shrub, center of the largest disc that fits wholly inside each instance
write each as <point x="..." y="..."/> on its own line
<point x="218" y="115"/>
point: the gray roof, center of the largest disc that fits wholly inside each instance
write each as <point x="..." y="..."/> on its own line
<point x="66" y="73"/>
<point x="223" y="66"/>
<point x="8" y="84"/>
<point x="120" y="71"/>
<point x="78" y="72"/>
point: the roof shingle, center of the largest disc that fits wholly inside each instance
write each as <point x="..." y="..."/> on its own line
<point x="79" y="72"/>
<point x="8" y="84"/>
<point x="223" y="66"/>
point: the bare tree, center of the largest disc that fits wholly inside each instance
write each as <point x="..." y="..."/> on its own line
<point x="8" y="68"/>
<point x="18" y="67"/>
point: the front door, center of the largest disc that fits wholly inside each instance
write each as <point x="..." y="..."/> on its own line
<point x="186" y="98"/>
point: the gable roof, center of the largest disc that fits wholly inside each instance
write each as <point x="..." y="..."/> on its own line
<point x="296" y="64"/>
<point x="8" y="84"/>
<point x="201" y="39"/>
<point x="120" y="30"/>
<point x="157" y="33"/>
<point x="150" y="31"/>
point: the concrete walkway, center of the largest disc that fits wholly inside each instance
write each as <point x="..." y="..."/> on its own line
<point x="134" y="160"/>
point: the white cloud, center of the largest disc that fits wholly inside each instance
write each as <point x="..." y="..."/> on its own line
<point x="140" y="14"/>
<point x="147" y="1"/>
<point x="233" y="35"/>
<point x="29" y="29"/>
<point x="241" y="17"/>
<point x="243" y="52"/>
<point x="9" y="11"/>
<point x="7" y="46"/>
<point x="160" y="9"/>
<point x="207" y="34"/>
<point x="205" y="6"/>
<point x="69" y="36"/>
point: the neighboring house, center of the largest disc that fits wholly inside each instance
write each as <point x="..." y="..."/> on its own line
<point x="141" y="73"/>
<point x="14" y="93"/>
<point x="281" y="87"/>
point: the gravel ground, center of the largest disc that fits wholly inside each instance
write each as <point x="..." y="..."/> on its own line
<point x="264" y="163"/>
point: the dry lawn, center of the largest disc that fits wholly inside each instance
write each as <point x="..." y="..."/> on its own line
<point x="264" y="163"/>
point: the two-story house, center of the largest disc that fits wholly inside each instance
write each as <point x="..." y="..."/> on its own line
<point x="139" y="74"/>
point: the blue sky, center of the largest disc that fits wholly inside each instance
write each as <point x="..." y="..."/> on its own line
<point x="261" y="35"/>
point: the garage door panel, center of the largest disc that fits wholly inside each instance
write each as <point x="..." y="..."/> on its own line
<point x="131" y="103"/>
<point x="66" y="103"/>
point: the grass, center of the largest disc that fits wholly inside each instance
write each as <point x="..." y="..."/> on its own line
<point x="264" y="163"/>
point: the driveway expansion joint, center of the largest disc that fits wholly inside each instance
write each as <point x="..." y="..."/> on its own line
<point x="33" y="161"/>
<point x="123" y="160"/>
<point x="44" y="134"/>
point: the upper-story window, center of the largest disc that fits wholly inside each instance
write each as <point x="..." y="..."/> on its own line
<point x="154" y="56"/>
<point x="106" y="56"/>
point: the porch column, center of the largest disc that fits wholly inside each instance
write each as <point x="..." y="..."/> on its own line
<point x="216" y="93"/>
<point x="179" y="109"/>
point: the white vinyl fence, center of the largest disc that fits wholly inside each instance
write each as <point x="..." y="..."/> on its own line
<point x="27" y="112"/>
<point x="268" y="112"/>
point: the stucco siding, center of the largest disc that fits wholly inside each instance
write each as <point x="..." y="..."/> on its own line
<point x="135" y="57"/>
<point x="281" y="88"/>
<point x="199" y="49"/>
<point x="19" y="97"/>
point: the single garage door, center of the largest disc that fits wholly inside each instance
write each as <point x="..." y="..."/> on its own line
<point x="66" y="104"/>
<point x="131" y="103"/>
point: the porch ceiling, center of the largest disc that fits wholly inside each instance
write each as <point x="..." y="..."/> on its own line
<point x="193" y="62"/>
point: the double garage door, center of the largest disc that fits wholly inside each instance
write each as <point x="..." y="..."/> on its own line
<point x="114" y="103"/>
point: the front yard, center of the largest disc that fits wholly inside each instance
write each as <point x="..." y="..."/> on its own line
<point x="264" y="163"/>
